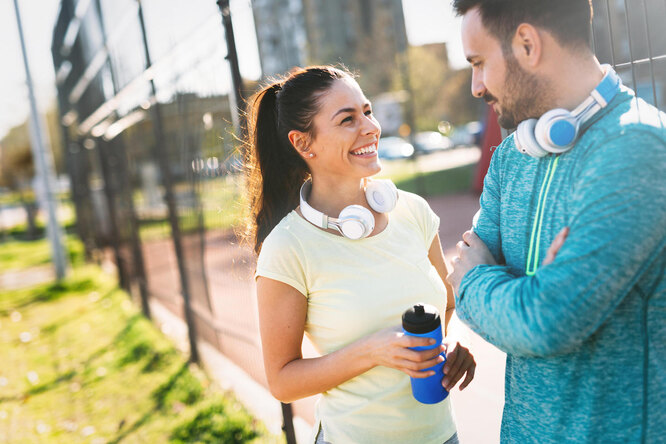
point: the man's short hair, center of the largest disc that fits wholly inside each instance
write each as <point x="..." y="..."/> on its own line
<point x="569" y="21"/>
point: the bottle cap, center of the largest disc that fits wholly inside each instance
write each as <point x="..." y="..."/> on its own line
<point x="421" y="318"/>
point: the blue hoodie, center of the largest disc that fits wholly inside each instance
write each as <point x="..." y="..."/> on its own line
<point x="585" y="336"/>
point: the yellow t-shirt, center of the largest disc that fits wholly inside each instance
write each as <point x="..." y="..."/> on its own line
<point x="354" y="288"/>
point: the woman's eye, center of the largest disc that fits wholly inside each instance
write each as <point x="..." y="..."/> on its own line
<point x="368" y="112"/>
<point x="347" y="119"/>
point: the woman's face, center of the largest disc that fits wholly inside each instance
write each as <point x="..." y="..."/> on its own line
<point x="346" y="133"/>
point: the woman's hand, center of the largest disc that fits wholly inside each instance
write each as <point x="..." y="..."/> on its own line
<point x="390" y="347"/>
<point x="459" y="361"/>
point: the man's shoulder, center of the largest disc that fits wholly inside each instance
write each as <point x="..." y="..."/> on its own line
<point x="632" y="118"/>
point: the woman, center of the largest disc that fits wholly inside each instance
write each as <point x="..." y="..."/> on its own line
<point x="344" y="284"/>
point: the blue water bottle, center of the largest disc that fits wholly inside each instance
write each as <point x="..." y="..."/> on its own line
<point x="423" y="320"/>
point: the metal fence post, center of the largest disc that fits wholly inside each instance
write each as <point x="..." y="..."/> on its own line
<point x="238" y="104"/>
<point x="167" y="181"/>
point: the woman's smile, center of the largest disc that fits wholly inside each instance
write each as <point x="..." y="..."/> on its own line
<point x="369" y="150"/>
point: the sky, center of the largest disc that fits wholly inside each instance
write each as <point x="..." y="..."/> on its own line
<point x="427" y="21"/>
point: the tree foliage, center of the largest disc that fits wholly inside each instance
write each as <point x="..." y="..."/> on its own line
<point x="16" y="162"/>
<point x="440" y="93"/>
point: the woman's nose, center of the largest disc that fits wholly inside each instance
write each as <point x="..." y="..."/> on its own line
<point x="371" y="125"/>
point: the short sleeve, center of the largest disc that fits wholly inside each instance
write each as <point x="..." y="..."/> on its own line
<point x="281" y="259"/>
<point x="425" y="217"/>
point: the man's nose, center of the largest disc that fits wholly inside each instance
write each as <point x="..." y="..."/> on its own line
<point x="478" y="87"/>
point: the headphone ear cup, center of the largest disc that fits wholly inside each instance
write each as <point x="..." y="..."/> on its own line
<point x="356" y="222"/>
<point x="556" y="130"/>
<point x="525" y="140"/>
<point x="382" y="195"/>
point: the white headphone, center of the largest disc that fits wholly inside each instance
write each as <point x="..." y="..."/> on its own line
<point x="556" y="131"/>
<point x="355" y="221"/>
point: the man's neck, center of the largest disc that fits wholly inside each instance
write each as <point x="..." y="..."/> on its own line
<point x="573" y="81"/>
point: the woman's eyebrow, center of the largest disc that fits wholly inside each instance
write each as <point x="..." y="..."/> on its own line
<point x="343" y="110"/>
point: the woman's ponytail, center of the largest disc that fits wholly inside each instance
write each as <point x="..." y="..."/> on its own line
<point x="274" y="170"/>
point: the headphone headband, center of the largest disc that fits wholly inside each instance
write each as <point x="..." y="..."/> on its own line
<point x="556" y="130"/>
<point x="313" y="216"/>
<point x="354" y="221"/>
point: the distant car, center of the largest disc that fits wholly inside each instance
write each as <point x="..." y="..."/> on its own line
<point x="467" y="135"/>
<point x="431" y="141"/>
<point x="394" y="148"/>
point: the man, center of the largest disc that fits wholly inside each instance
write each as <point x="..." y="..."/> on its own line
<point x="584" y="329"/>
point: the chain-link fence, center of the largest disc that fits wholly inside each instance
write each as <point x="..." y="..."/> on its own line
<point x="143" y="90"/>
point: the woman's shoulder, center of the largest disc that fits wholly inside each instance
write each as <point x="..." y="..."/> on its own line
<point x="412" y="201"/>
<point x="283" y="237"/>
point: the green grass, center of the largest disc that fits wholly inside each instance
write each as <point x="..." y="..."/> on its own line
<point x="434" y="183"/>
<point x="80" y="364"/>
<point x="67" y="220"/>
<point x="17" y="255"/>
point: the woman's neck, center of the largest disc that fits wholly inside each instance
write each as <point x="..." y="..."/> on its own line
<point x="332" y="195"/>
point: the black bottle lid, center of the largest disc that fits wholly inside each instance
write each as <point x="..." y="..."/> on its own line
<point x="421" y="318"/>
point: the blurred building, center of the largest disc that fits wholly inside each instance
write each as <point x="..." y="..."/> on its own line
<point x="365" y="35"/>
<point x="281" y="36"/>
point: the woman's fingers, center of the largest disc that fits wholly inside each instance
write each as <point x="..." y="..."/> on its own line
<point x="420" y="359"/>
<point x="452" y="359"/>
<point x="458" y="362"/>
<point x="416" y="341"/>
<point x="469" y="376"/>
<point x="452" y="375"/>
<point x="450" y="380"/>
<point x="419" y="369"/>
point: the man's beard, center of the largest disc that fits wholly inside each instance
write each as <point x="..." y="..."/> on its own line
<point x="524" y="95"/>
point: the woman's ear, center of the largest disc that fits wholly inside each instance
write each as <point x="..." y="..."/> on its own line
<point x="527" y="45"/>
<point x="300" y="141"/>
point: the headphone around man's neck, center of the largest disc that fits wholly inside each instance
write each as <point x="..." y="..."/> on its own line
<point x="556" y="131"/>
<point x="355" y="221"/>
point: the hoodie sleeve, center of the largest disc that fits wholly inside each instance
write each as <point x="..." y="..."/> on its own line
<point x="617" y="230"/>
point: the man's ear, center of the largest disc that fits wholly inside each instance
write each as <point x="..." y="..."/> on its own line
<point x="300" y="141"/>
<point x="527" y="45"/>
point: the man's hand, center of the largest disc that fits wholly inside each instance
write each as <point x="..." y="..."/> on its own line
<point x="556" y="245"/>
<point x="471" y="252"/>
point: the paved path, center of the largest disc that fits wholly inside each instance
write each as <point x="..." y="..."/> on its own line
<point x="478" y="409"/>
<point x="17" y="279"/>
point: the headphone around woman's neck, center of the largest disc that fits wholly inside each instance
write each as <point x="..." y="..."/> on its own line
<point x="355" y="221"/>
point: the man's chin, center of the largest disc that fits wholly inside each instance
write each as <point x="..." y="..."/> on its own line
<point x="506" y="122"/>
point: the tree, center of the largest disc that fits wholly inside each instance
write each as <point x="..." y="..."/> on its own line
<point x="16" y="164"/>
<point x="440" y="93"/>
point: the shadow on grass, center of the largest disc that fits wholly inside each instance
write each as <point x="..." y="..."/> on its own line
<point x="181" y="387"/>
<point x="22" y="233"/>
<point x="53" y="292"/>
<point x="40" y="388"/>
<point x="86" y="364"/>
<point x="52" y="327"/>
<point x="215" y="424"/>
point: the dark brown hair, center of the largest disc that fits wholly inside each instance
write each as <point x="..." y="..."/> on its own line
<point x="274" y="170"/>
<point x="569" y="21"/>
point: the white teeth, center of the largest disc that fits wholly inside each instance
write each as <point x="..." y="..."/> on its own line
<point x="366" y="150"/>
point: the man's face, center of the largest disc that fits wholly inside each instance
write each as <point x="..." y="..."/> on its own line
<point x="514" y="94"/>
